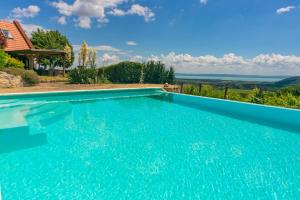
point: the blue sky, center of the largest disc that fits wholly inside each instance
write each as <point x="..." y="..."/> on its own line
<point x="194" y="36"/>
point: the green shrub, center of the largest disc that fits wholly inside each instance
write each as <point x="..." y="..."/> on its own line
<point x="257" y="96"/>
<point x="287" y="97"/>
<point x="124" y="72"/>
<point x="82" y="75"/>
<point x="8" y="61"/>
<point x="134" y="72"/>
<point x="29" y="77"/>
<point x="156" y="72"/>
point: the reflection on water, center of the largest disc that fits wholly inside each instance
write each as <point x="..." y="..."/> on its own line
<point x="19" y="138"/>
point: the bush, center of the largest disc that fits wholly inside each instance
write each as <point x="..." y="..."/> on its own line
<point x="29" y="77"/>
<point x="156" y="72"/>
<point x="8" y="61"/>
<point x="134" y="72"/>
<point x="83" y="75"/>
<point x="124" y="72"/>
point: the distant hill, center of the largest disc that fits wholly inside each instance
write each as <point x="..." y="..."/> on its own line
<point x="295" y="80"/>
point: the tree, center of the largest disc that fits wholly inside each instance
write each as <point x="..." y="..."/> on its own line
<point x="83" y="55"/>
<point x="155" y="72"/>
<point x="68" y="58"/>
<point x="171" y="76"/>
<point x="42" y="39"/>
<point x="92" y="57"/>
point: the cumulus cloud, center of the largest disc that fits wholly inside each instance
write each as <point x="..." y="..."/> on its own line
<point x="84" y="22"/>
<point x="263" y="64"/>
<point x="117" y="12"/>
<point x="270" y="64"/>
<point x="139" y="10"/>
<point x="29" y="12"/>
<point x="131" y="43"/>
<point x="135" y="9"/>
<point x="285" y="9"/>
<point x="85" y="10"/>
<point x="109" y="59"/>
<point x="204" y="2"/>
<point x="62" y="20"/>
<point x="137" y="58"/>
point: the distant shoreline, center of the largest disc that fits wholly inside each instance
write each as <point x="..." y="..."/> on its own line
<point x="230" y="77"/>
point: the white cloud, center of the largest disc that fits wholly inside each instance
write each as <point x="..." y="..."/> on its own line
<point x="131" y="43"/>
<point x="85" y="10"/>
<point x="145" y="12"/>
<point x="106" y="48"/>
<point x="204" y="2"/>
<point x="263" y="64"/>
<point x="135" y="9"/>
<point x="106" y="54"/>
<point x="117" y="12"/>
<point x="109" y="59"/>
<point x="29" y="12"/>
<point x="62" y="20"/>
<point x="285" y="9"/>
<point x="137" y="58"/>
<point x="30" y="28"/>
<point x="84" y="22"/>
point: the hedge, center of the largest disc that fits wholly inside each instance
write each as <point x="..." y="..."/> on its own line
<point x="82" y="75"/>
<point x="124" y="72"/>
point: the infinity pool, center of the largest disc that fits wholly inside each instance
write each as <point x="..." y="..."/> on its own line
<point x="146" y="144"/>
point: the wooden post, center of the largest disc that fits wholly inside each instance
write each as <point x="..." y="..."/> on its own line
<point x="181" y="87"/>
<point x="30" y="62"/>
<point x="226" y="92"/>
<point x="261" y="92"/>
<point x="200" y="88"/>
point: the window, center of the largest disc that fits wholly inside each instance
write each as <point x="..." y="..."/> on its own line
<point x="6" y="33"/>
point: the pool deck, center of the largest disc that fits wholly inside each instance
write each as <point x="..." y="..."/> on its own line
<point x="47" y="87"/>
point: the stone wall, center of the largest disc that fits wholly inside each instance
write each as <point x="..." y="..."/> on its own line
<point x="10" y="81"/>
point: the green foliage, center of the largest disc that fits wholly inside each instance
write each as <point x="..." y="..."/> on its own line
<point x="206" y="90"/>
<point x="29" y="77"/>
<point x="124" y="72"/>
<point x="287" y="97"/>
<point x="155" y="72"/>
<point x="171" y="76"/>
<point x="82" y="75"/>
<point x="8" y="61"/>
<point x="257" y="96"/>
<point x="294" y="90"/>
<point x="52" y="40"/>
<point x="133" y="72"/>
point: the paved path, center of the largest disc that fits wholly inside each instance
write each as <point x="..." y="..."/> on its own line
<point x="44" y="87"/>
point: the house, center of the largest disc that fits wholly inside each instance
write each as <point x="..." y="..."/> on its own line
<point x="14" y="41"/>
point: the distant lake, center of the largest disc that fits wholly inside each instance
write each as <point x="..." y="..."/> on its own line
<point x="231" y="77"/>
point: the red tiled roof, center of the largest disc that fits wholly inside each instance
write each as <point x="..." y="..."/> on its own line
<point x="20" y="41"/>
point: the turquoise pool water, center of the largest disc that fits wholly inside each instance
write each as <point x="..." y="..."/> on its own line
<point x="145" y="144"/>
